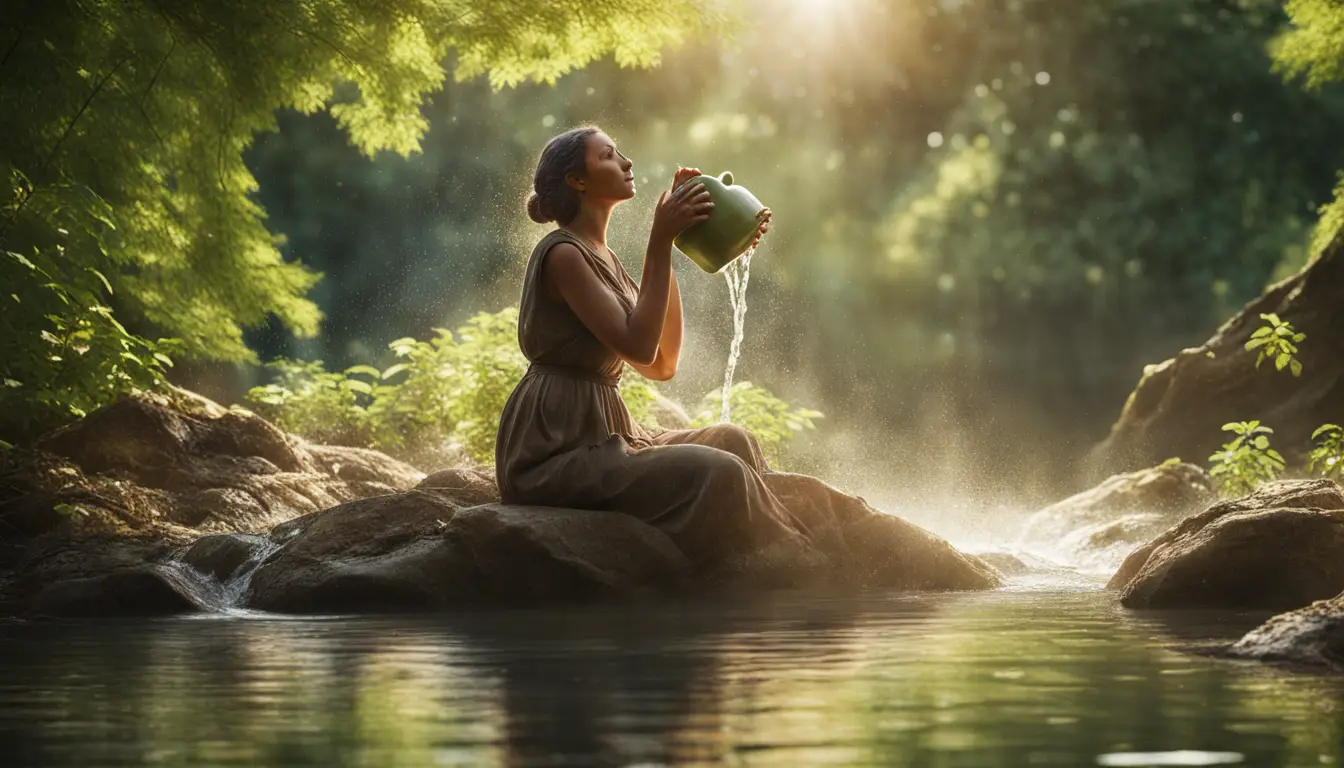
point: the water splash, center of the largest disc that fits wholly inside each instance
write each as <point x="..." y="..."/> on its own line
<point x="207" y="592"/>
<point x="737" y="273"/>
<point x="235" y="589"/>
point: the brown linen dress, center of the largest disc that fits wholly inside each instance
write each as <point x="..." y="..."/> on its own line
<point x="566" y="439"/>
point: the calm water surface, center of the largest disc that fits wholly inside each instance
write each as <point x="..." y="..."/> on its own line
<point x="1034" y="674"/>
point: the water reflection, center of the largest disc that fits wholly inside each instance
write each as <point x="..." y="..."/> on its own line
<point x="1007" y="677"/>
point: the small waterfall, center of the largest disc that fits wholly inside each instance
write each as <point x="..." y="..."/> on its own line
<point x="236" y="586"/>
<point x="208" y="592"/>
<point x="737" y="273"/>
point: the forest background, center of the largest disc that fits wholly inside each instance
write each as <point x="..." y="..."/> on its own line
<point x="990" y="215"/>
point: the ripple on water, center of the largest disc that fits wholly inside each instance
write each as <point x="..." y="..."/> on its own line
<point x="1006" y="677"/>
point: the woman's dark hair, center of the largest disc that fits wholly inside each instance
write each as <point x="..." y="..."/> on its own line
<point x="552" y="199"/>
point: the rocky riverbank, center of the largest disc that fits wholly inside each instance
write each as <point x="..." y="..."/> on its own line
<point x="170" y="504"/>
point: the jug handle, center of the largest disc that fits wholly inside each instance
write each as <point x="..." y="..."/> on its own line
<point x="727" y="178"/>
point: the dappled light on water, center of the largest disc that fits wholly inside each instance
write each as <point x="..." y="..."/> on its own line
<point x="1008" y="677"/>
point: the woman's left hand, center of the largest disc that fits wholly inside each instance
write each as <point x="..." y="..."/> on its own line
<point x="764" y="215"/>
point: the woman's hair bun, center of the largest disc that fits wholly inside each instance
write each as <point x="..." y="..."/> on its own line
<point x="534" y="210"/>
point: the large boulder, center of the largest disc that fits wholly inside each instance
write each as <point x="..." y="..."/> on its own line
<point x="147" y="590"/>
<point x="1313" y="635"/>
<point x="1124" y="510"/>
<point x="177" y="459"/>
<point x="422" y="550"/>
<point x="867" y="548"/>
<point x="436" y="547"/>
<point x="467" y="485"/>
<point x="1179" y="406"/>
<point x="74" y="559"/>
<point x="1279" y="548"/>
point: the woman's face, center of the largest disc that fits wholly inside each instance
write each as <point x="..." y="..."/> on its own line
<point x="609" y="175"/>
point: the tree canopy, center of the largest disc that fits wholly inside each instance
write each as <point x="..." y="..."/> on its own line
<point x="1313" y="52"/>
<point x="124" y="129"/>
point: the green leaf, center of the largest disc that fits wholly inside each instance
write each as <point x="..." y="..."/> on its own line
<point x="1262" y="442"/>
<point x="394" y="370"/>
<point x="1256" y="343"/>
<point x="358" y="385"/>
<point x="1323" y="429"/>
<point x="1299" y="337"/>
<point x="1263" y="330"/>
<point x="367" y="370"/>
<point x="1296" y="366"/>
<point x="1281" y="362"/>
<point x="100" y="276"/>
<point x="22" y="260"/>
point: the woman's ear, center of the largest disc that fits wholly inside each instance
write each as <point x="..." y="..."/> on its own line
<point x="573" y="180"/>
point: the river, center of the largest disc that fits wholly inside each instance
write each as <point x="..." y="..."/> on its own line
<point x="1046" y="671"/>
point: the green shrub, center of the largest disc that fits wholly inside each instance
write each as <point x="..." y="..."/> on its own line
<point x="1328" y="455"/>
<point x="774" y="422"/>
<point x="444" y="396"/>
<point x="449" y="391"/>
<point x="308" y="400"/>
<point x="1277" y="341"/>
<point x="65" y="352"/>
<point x="1247" y="461"/>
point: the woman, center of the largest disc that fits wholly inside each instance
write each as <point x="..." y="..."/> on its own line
<point x="565" y="436"/>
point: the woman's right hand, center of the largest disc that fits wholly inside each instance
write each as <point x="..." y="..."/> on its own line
<point x="680" y="208"/>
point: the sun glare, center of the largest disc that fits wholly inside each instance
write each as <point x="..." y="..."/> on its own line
<point x="821" y="16"/>
<point x="828" y="27"/>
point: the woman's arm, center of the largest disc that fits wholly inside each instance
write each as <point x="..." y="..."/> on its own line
<point x="664" y="365"/>
<point x="634" y="337"/>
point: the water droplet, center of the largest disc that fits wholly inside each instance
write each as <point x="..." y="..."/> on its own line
<point x="1236" y="117"/>
<point x="548" y="121"/>
<point x="1042" y="78"/>
<point x="935" y="139"/>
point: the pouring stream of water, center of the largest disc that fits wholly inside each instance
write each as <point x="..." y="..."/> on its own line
<point x="737" y="273"/>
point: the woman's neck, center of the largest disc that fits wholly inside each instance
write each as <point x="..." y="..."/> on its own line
<point x="591" y="224"/>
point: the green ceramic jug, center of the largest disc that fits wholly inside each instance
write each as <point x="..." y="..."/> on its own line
<point x="728" y="231"/>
